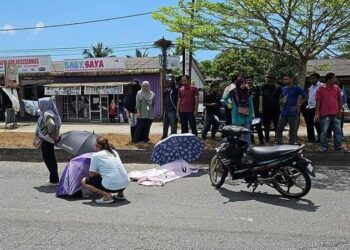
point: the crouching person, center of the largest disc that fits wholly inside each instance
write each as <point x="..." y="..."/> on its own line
<point x="107" y="174"/>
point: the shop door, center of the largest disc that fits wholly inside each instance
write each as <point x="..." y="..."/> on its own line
<point x="95" y="108"/>
<point x="104" y="107"/>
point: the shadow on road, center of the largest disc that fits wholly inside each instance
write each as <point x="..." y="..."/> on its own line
<point x="338" y="180"/>
<point x="272" y="199"/>
<point x="46" y="189"/>
<point x="114" y="204"/>
<point x="200" y="173"/>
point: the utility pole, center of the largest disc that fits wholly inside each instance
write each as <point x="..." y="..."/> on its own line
<point x="164" y="45"/>
<point x="183" y="56"/>
<point x="191" y="43"/>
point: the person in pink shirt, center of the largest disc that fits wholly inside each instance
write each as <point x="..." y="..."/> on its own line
<point x="329" y="111"/>
<point x="187" y="105"/>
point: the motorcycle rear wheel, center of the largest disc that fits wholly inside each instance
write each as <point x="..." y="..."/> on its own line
<point x="289" y="179"/>
<point x="217" y="172"/>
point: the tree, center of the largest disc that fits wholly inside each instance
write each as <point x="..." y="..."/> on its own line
<point x="97" y="51"/>
<point x="138" y="53"/>
<point x="257" y="63"/>
<point x="206" y="68"/>
<point x="345" y="51"/>
<point x="298" y="29"/>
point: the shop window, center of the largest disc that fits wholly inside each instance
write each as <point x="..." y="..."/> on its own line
<point x="75" y="107"/>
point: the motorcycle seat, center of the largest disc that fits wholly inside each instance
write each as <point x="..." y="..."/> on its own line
<point x="266" y="153"/>
<point x="233" y="130"/>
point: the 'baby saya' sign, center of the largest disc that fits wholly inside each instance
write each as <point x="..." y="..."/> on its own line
<point x="94" y="64"/>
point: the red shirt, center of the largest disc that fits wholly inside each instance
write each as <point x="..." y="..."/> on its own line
<point x="187" y="98"/>
<point x="112" y="109"/>
<point x="329" y="99"/>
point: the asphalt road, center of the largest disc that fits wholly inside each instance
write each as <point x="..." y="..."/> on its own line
<point x="184" y="214"/>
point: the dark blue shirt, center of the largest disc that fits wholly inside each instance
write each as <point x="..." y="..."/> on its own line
<point x="289" y="100"/>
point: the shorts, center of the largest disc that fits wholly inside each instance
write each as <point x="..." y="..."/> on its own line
<point x="96" y="181"/>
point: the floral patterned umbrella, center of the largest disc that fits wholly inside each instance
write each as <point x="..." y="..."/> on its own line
<point x="177" y="146"/>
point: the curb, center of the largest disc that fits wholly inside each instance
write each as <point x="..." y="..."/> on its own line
<point x="144" y="156"/>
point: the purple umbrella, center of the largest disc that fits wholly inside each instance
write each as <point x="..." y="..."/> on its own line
<point x="76" y="169"/>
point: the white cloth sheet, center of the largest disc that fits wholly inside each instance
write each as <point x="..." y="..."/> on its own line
<point x="163" y="174"/>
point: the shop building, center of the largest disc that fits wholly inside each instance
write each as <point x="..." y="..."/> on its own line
<point x="85" y="94"/>
<point x="84" y="88"/>
<point x="340" y="67"/>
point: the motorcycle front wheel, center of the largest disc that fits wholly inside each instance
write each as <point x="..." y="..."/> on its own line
<point x="292" y="182"/>
<point x="217" y="172"/>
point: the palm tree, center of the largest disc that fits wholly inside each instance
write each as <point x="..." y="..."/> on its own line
<point x="138" y="53"/>
<point x="97" y="51"/>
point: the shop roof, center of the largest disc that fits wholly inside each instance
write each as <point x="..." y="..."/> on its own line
<point x="91" y="84"/>
<point x="341" y="67"/>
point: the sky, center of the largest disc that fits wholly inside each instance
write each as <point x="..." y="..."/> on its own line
<point x="141" y="31"/>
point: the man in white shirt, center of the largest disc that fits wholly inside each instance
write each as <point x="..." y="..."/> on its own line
<point x="311" y="108"/>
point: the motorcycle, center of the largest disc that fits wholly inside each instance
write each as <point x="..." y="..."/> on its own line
<point x="282" y="167"/>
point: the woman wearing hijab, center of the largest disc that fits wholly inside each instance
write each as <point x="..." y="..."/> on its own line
<point x="145" y="112"/>
<point x="130" y="103"/>
<point x="242" y="111"/>
<point x="47" y="130"/>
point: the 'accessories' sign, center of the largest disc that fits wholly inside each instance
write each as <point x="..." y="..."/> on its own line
<point x="94" y="64"/>
<point x="27" y="64"/>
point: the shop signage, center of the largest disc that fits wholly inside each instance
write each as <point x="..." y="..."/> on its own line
<point x="94" y="64"/>
<point x="103" y="90"/>
<point x="69" y="90"/>
<point x="27" y="64"/>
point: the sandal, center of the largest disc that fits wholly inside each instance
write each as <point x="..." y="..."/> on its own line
<point x="120" y="198"/>
<point x="102" y="201"/>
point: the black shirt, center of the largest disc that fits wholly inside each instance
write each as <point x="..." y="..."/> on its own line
<point x="256" y="93"/>
<point x="170" y="99"/>
<point x="212" y="98"/>
<point x="271" y="94"/>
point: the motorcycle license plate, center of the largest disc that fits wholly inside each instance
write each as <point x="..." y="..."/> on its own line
<point x="310" y="168"/>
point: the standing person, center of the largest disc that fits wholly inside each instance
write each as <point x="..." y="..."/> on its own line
<point x="329" y="109"/>
<point x="311" y="109"/>
<point x="106" y="174"/>
<point x="243" y="110"/>
<point x="121" y="111"/>
<point x="47" y="129"/>
<point x="112" y="111"/>
<point x="212" y="103"/>
<point x="187" y="105"/>
<point x="145" y="100"/>
<point x="130" y="105"/>
<point x="344" y="100"/>
<point x="271" y="94"/>
<point x="257" y="104"/>
<point x="229" y="106"/>
<point x="170" y="101"/>
<point x="290" y="112"/>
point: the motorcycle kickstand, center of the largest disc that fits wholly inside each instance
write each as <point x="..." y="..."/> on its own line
<point x="255" y="186"/>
